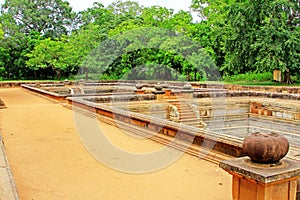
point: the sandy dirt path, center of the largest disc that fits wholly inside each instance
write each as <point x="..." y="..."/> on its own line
<point x="49" y="162"/>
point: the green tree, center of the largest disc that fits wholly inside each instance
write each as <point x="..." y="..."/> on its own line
<point x="157" y="16"/>
<point x="2" y="53"/>
<point x="51" y="54"/>
<point x="51" y="18"/>
<point x="97" y="15"/>
<point x="211" y="30"/>
<point x="24" y="23"/>
<point x="82" y="42"/>
<point x="130" y="9"/>
<point x="13" y="56"/>
<point x="263" y="36"/>
<point x="149" y="53"/>
<point x="1" y="33"/>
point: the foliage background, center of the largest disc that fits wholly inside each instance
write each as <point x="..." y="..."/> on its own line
<point x="46" y="39"/>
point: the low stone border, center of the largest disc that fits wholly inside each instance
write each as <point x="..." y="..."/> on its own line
<point x="187" y="133"/>
<point x="8" y="189"/>
<point x="9" y="84"/>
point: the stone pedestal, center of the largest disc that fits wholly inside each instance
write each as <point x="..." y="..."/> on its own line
<point x="159" y="95"/>
<point x="168" y="92"/>
<point x="187" y="94"/>
<point x="253" y="181"/>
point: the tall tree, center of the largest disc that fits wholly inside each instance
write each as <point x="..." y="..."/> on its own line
<point x="157" y="16"/>
<point x="51" y="18"/>
<point x="97" y="15"/>
<point x="2" y="53"/>
<point x="129" y="9"/>
<point x="263" y="36"/>
<point x="82" y="42"/>
<point x="51" y="54"/>
<point x="211" y="29"/>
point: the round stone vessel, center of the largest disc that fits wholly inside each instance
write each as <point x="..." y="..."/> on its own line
<point x="265" y="148"/>
<point x="139" y="86"/>
<point x="158" y="86"/>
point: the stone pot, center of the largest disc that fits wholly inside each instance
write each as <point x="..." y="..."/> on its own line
<point x="158" y="87"/>
<point x="165" y="85"/>
<point x="67" y="82"/>
<point x="139" y="86"/>
<point x="187" y="86"/>
<point x="265" y="147"/>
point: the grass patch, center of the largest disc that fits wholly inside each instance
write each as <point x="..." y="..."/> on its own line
<point x="250" y="77"/>
<point x="259" y="79"/>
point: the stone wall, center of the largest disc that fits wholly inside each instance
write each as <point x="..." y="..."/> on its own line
<point x="276" y="109"/>
<point x="9" y="84"/>
<point x="227" y="87"/>
<point x="271" y="89"/>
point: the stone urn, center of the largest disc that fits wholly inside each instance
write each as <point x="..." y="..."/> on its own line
<point x="187" y="86"/>
<point x="67" y="82"/>
<point x="165" y="85"/>
<point x="139" y="86"/>
<point x="158" y="86"/>
<point x="265" y="148"/>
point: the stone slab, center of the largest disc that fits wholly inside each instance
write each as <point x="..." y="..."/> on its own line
<point x="7" y="185"/>
<point x="262" y="173"/>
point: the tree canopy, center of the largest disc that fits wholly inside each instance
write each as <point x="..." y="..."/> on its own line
<point x="46" y="38"/>
<point x="51" y="18"/>
<point x="263" y="36"/>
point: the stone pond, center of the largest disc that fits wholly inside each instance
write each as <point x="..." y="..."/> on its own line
<point x="224" y="114"/>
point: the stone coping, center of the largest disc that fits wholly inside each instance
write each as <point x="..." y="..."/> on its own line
<point x="9" y="84"/>
<point x="209" y="85"/>
<point x="262" y="173"/>
<point x="201" y="94"/>
<point x="7" y="183"/>
<point x="41" y="91"/>
<point x="119" y="98"/>
<point x="159" y="122"/>
<point x="272" y="95"/>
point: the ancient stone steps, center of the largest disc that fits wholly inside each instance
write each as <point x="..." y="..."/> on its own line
<point x="188" y="115"/>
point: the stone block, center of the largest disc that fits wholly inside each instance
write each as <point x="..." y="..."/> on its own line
<point x="262" y="182"/>
<point x="287" y="115"/>
<point x="278" y="114"/>
<point x="298" y="116"/>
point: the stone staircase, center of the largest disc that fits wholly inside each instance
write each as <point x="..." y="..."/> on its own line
<point x="188" y="113"/>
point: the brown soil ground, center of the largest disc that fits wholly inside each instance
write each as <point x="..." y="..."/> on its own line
<point x="49" y="162"/>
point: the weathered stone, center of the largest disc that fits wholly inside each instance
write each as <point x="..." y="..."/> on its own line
<point x="262" y="173"/>
<point x="265" y="147"/>
<point x="173" y="113"/>
<point x="139" y="86"/>
<point x="158" y="87"/>
<point x="165" y="85"/>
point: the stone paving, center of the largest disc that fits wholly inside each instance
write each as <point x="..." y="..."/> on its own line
<point x="7" y="185"/>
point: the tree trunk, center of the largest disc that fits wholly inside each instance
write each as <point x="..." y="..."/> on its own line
<point x="287" y="78"/>
<point x="86" y="73"/>
<point x="58" y="74"/>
